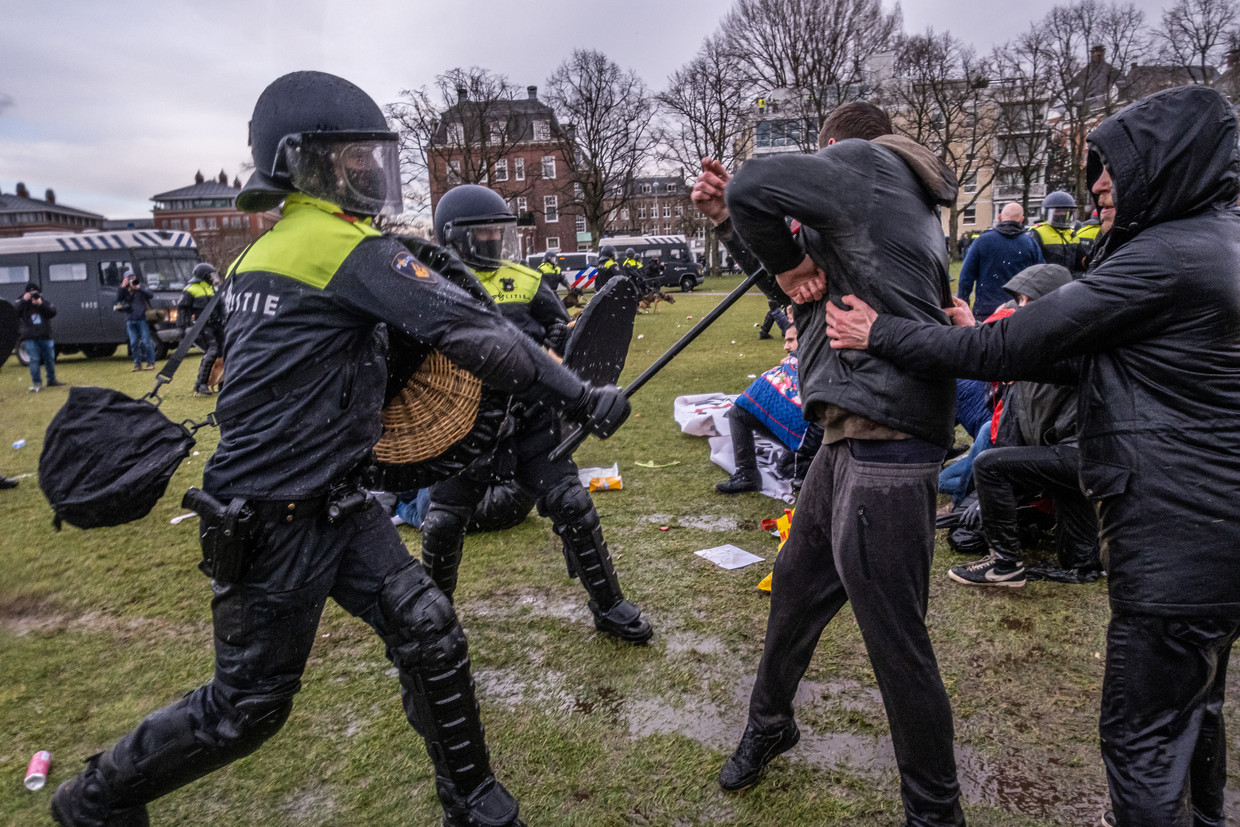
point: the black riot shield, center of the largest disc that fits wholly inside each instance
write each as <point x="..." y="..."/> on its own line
<point x="8" y="329"/>
<point x="599" y="341"/>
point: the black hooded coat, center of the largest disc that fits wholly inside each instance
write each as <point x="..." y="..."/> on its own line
<point x="1152" y="334"/>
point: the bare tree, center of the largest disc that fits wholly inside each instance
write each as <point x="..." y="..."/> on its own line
<point x="1020" y="101"/>
<point x="1087" y="42"/>
<point x="937" y="96"/>
<point x="607" y="114"/>
<point x="819" y="50"/>
<point x="455" y="131"/>
<point x="705" y="103"/>
<point x="1194" y="34"/>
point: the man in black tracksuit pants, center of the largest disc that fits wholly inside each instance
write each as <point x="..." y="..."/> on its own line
<point x="864" y="526"/>
<point x="305" y="309"/>
<point x="1151" y="335"/>
<point x="474" y="221"/>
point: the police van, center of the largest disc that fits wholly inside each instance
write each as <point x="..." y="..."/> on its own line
<point x="672" y="251"/>
<point x="580" y="269"/>
<point x="80" y="274"/>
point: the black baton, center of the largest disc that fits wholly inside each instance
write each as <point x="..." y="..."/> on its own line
<point x="579" y="433"/>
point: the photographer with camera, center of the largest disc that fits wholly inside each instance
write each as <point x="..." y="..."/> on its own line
<point x="134" y="300"/>
<point x="34" y="315"/>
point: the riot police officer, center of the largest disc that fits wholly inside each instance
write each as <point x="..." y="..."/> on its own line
<point x="476" y="222"/>
<point x="608" y="267"/>
<point x="194" y="299"/>
<point x="633" y="267"/>
<point x="551" y="273"/>
<point x="1054" y="232"/>
<point x="305" y="309"/>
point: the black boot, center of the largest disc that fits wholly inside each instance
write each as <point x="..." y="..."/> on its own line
<point x="746" y="477"/>
<point x="87" y="801"/>
<point x="589" y="559"/>
<point x="754" y="752"/>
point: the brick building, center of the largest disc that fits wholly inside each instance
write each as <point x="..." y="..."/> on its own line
<point x="516" y="147"/>
<point x="22" y="215"/>
<point x="208" y="211"/>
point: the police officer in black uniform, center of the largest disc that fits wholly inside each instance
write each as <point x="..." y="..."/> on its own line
<point x="476" y="222"/>
<point x="194" y="299"/>
<point x="304" y="334"/>
<point x="1054" y="232"/>
<point x="552" y="275"/>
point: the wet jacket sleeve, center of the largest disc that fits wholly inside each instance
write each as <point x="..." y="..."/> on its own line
<point x="765" y="190"/>
<point x="748" y="262"/>
<point x="1123" y="301"/>
<point x="425" y="306"/>
<point x="547" y="309"/>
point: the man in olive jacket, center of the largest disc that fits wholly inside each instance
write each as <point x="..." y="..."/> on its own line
<point x="1153" y="334"/>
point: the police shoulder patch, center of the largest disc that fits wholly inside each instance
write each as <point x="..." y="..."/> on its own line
<point x="409" y="267"/>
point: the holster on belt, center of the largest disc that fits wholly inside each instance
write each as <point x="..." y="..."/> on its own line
<point x="224" y="532"/>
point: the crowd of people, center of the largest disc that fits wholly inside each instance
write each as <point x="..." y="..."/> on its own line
<point x="1104" y="376"/>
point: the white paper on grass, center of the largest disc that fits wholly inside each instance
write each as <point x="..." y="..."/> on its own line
<point x="587" y="474"/>
<point x="728" y="556"/>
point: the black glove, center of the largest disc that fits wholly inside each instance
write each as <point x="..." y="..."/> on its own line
<point x="557" y="337"/>
<point x="602" y="410"/>
<point x="971" y="517"/>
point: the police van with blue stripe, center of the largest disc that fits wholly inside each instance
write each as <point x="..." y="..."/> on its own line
<point x="80" y="274"/>
<point x="672" y="252"/>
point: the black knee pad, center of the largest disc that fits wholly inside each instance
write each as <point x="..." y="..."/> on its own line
<point x="569" y="505"/>
<point x="443" y="524"/>
<point x="422" y="630"/>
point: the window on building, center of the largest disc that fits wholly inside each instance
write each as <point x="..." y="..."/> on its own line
<point x="200" y="223"/>
<point x="518" y="168"/>
<point x="969" y="184"/>
<point x="15" y="275"/>
<point x="969" y="216"/>
<point x="456" y="134"/>
<point x="577" y="191"/>
<point x="581" y="223"/>
<point x="680" y="211"/>
<point x="542" y="130"/>
<point x="548" y="166"/>
<point x="454" y="172"/>
<point x="67" y="272"/>
<point x="667" y="211"/>
<point x="501" y="169"/>
<point x="624" y="214"/>
<point x="498" y="132"/>
<point x="523" y="204"/>
<point x="551" y="208"/>
<point x="641" y="212"/>
<point x="645" y="189"/>
<point x="553" y="242"/>
<point x="671" y="187"/>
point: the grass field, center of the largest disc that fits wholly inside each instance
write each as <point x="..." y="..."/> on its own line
<point x="99" y="627"/>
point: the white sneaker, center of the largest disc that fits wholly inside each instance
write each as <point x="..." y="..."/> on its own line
<point x="398" y="520"/>
<point x="36" y="388"/>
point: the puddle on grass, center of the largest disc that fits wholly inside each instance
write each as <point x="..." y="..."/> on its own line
<point x="535" y="604"/>
<point x="679" y="643"/>
<point x="1052" y="789"/>
<point x="702" y="522"/>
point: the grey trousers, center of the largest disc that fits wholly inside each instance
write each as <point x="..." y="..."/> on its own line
<point x="863" y="533"/>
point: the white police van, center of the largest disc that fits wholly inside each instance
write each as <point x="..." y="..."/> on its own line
<point x="580" y="269"/>
<point x="672" y="251"/>
<point x="80" y="274"/>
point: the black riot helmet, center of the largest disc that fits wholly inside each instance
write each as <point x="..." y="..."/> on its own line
<point x="477" y="223"/>
<point x="319" y="134"/>
<point x="607" y="251"/>
<point x="1057" y="209"/>
<point x="549" y="257"/>
<point x="630" y="253"/>
<point x="202" y="272"/>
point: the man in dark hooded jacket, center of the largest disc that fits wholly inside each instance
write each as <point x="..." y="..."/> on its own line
<point x="1152" y="333"/>
<point x="998" y="254"/>
<point x="864" y="528"/>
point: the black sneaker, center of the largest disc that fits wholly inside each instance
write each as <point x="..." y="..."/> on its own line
<point x="989" y="571"/>
<point x="488" y="806"/>
<point x="55" y="384"/>
<point x="7" y="482"/>
<point x="622" y="621"/>
<point x="754" y="752"/>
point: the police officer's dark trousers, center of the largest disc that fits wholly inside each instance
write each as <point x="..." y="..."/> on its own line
<point x="1163" y="740"/>
<point x="209" y="340"/>
<point x="863" y="533"/>
<point x="265" y="626"/>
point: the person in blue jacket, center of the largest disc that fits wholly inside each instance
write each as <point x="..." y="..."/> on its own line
<point x="998" y="254"/>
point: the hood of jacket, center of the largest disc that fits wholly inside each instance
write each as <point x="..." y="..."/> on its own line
<point x="1009" y="229"/>
<point x="1170" y="155"/>
<point x="1038" y="280"/>
<point x="937" y="179"/>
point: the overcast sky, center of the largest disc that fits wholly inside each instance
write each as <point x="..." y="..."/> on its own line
<point x="109" y="103"/>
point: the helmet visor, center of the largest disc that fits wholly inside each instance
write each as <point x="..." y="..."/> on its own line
<point x="486" y="246"/>
<point x="358" y="171"/>
<point x="1060" y="216"/>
